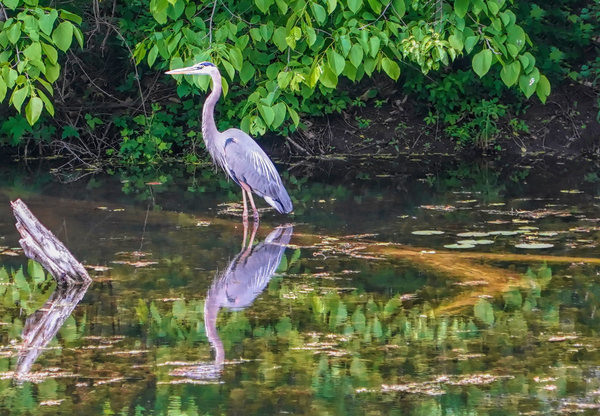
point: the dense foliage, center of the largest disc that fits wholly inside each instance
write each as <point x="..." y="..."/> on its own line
<point x="281" y="61"/>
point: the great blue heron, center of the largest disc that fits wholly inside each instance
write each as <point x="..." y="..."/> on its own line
<point x="237" y="153"/>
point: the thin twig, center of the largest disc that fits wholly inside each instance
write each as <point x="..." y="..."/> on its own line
<point x="296" y="145"/>
<point x="210" y="25"/>
<point x="376" y="20"/>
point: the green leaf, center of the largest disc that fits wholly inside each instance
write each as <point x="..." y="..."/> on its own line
<point x="283" y="79"/>
<point x="50" y="52"/>
<point x="33" y="52"/>
<point x="461" y="7"/>
<point x="152" y="55"/>
<point x="263" y="5"/>
<point x="279" y="39"/>
<point x="493" y="7"/>
<point x="331" y="5"/>
<point x="63" y="36"/>
<point x="3" y="89"/>
<point x="345" y="44"/>
<point x="399" y="7"/>
<point x="516" y="36"/>
<point x="328" y="78"/>
<point x="47" y="103"/>
<point x="456" y="42"/>
<point x="482" y="62"/>
<point x="293" y="115"/>
<point x="78" y="35"/>
<point x="70" y="16"/>
<point x="279" y="110"/>
<point x="356" y="55"/>
<point x="369" y="65"/>
<point x="247" y="72"/>
<point x="11" y="4"/>
<point x="528" y="62"/>
<point x="236" y="58"/>
<point x="176" y="9"/>
<point x="46" y="22"/>
<point x="528" y="83"/>
<point x="314" y="75"/>
<point x="376" y="6"/>
<point x="33" y="110"/>
<point x="18" y="97"/>
<point x="283" y="7"/>
<point x="311" y="35"/>
<point x="336" y="61"/>
<point x="245" y="124"/>
<point x="470" y="43"/>
<point x="510" y="73"/>
<point x="52" y="71"/>
<point x="14" y="33"/>
<point x="158" y="8"/>
<point x="228" y="68"/>
<point x="319" y="12"/>
<point x="391" y="68"/>
<point x="374" y="44"/>
<point x="355" y="5"/>
<point x="267" y="114"/>
<point x="543" y="89"/>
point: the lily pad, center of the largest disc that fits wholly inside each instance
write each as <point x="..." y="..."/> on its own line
<point x="474" y="242"/>
<point x="548" y="233"/>
<point x="459" y="246"/>
<point x="505" y="233"/>
<point x="534" y="246"/>
<point x="528" y="228"/>
<point x="427" y="232"/>
<point x="473" y="234"/>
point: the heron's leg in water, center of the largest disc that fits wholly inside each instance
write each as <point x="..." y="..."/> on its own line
<point x="248" y="247"/>
<point x="245" y="218"/>
<point x="245" y="223"/>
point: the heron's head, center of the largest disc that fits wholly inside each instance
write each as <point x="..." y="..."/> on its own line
<point x="202" y="68"/>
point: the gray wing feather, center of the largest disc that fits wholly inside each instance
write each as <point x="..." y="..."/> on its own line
<point x="246" y="161"/>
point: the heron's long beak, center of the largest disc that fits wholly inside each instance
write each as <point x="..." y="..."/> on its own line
<point x="180" y="71"/>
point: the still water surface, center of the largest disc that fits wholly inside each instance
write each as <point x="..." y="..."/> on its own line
<point x="369" y="300"/>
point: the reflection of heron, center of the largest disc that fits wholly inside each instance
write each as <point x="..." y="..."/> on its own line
<point x="237" y="153"/>
<point x="235" y="288"/>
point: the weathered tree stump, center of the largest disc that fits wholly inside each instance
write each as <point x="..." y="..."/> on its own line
<point x="41" y="245"/>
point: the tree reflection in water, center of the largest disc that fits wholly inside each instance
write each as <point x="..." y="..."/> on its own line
<point x="42" y="325"/>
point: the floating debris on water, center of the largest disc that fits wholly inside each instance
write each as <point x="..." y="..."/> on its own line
<point x="427" y="232"/>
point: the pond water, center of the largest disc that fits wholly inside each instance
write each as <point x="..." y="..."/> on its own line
<point x="428" y="288"/>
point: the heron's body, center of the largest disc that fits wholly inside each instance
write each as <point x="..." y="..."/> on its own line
<point x="237" y="153"/>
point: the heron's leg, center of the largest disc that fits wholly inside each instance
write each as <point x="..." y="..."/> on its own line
<point x="245" y="212"/>
<point x="248" y="190"/>
<point x="254" y="210"/>
<point x="245" y="218"/>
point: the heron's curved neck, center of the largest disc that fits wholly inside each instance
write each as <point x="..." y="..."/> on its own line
<point x="209" y="128"/>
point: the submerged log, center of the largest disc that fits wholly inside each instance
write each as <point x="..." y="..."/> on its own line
<point x="41" y="245"/>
